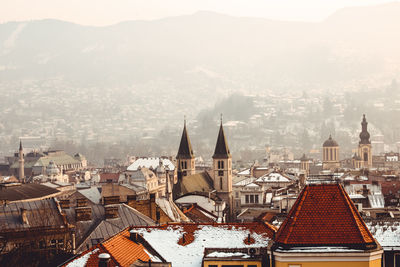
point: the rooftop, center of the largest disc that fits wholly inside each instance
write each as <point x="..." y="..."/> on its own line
<point x="324" y="215"/>
<point x="184" y="244"/>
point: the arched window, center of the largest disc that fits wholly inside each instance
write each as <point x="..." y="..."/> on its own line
<point x="220" y="182"/>
<point x="365" y="156"/>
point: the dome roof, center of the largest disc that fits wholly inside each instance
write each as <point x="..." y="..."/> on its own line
<point x="330" y="142"/>
<point x="52" y="169"/>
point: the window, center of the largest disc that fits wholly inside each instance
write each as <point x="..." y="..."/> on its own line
<point x="247" y="199"/>
<point x="220" y="164"/>
<point x="213" y="265"/>
<point x="251" y="265"/>
<point x="237" y="194"/>
<point x="185" y="164"/>
<point x="251" y="198"/>
<point x="365" y="156"/>
<point x="220" y="182"/>
<point x="256" y="199"/>
<point x="220" y="173"/>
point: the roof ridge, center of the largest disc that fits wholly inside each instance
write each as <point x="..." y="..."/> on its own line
<point x="355" y="213"/>
<point x="301" y="200"/>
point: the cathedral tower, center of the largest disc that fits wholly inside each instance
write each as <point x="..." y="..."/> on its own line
<point x="222" y="168"/>
<point x="21" y="161"/>
<point x="330" y="154"/>
<point x="185" y="156"/>
<point x="364" y="146"/>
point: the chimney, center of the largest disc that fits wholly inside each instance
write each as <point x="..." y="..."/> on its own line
<point x="81" y="202"/>
<point x="83" y="214"/>
<point x="110" y="200"/>
<point x="130" y="198"/>
<point x="64" y="203"/>
<point x="111" y="212"/>
<point x="133" y="236"/>
<point x="183" y="239"/>
<point x="104" y="259"/>
<point x="151" y="203"/>
<point x="24" y="217"/>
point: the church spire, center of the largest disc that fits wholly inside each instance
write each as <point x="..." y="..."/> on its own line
<point x="185" y="147"/>
<point x="221" y="148"/>
<point x="364" y="135"/>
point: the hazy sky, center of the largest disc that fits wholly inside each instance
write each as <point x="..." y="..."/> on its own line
<point x="105" y="12"/>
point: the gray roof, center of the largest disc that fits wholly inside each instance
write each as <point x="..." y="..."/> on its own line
<point x="19" y="192"/>
<point x="40" y="213"/>
<point x="107" y="228"/>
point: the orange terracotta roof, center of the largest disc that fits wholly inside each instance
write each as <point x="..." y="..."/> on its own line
<point x="324" y="215"/>
<point x="197" y="214"/>
<point x="122" y="250"/>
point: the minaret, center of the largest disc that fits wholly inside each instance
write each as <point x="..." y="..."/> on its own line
<point x="222" y="169"/>
<point x="364" y="146"/>
<point x="21" y="174"/>
<point x="185" y="156"/>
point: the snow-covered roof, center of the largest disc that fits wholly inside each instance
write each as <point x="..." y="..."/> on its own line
<point x="376" y="201"/>
<point x="244" y="172"/>
<point x="172" y="211"/>
<point x="245" y="181"/>
<point x="386" y="233"/>
<point x="252" y="185"/>
<point x="150" y="163"/>
<point x="273" y="177"/>
<point x="168" y="242"/>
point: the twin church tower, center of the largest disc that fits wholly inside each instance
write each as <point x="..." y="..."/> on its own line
<point x="221" y="173"/>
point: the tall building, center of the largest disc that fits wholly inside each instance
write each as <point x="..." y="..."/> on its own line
<point x="364" y="146"/>
<point x="330" y="154"/>
<point x="185" y="156"/>
<point x="222" y="169"/>
<point x="21" y="161"/>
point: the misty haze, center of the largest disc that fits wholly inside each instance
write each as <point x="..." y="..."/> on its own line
<point x="243" y="127"/>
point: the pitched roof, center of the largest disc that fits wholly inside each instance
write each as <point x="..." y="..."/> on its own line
<point x="123" y="252"/>
<point x="221" y="148"/>
<point x="16" y="192"/>
<point x="184" y="244"/>
<point x="105" y="177"/>
<point x="324" y="215"/>
<point x="185" y="150"/>
<point x="199" y="182"/>
<point x="200" y="215"/>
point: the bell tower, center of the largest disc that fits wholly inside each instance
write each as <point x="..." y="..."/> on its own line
<point x="364" y="146"/>
<point x="185" y="156"/>
<point x="222" y="169"/>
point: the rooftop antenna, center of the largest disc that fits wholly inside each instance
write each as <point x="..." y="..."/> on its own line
<point x="221" y="118"/>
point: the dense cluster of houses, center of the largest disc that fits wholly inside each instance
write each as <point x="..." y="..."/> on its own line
<point x="160" y="211"/>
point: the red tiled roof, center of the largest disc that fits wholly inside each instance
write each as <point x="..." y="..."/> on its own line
<point x="324" y="215"/>
<point x="199" y="215"/>
<point x="104" y="177"/>
<point x="389" y="188"/>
